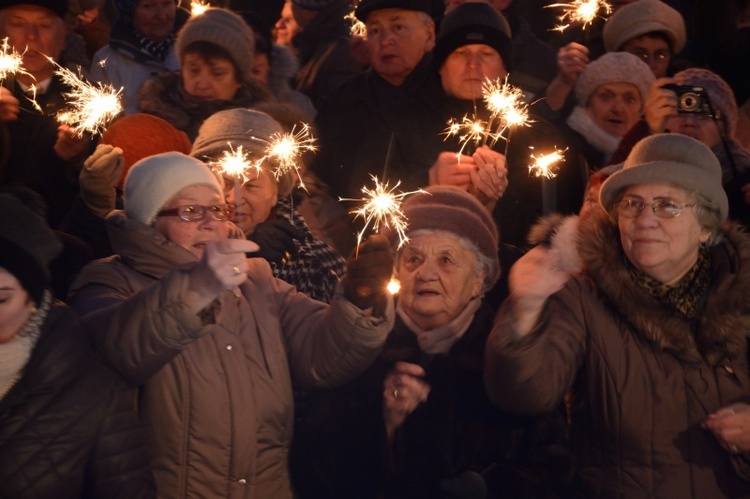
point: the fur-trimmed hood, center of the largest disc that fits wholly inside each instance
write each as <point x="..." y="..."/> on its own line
<point x="720" y="332"/>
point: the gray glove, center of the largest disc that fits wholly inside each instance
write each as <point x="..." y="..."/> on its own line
<point x="98" y="178"/>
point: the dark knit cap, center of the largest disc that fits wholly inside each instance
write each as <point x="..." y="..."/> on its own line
<point x="474" y="23"/>
<point x="670" y="158"/>
<point x="366" y="6"/>
<point x="453" y="210"/>
<point x="59" y="7"/>
<point x="27" y="245"/>
<point x="315" y="5"/>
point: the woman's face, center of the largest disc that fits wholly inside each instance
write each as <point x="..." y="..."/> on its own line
<point x="193" y="235"/>
<point x="211" y="79"/>
<point x="663" y="248"/>
<point x="15" y="306"/>
<point x="465" y="68"/>
<point x="615" y="107"/>
<point x="258" y="197"/>
<point x="286" y="26"/>
<point x="438" y="279"/>
<point x="154" y="19"/>
<point x="700" y="127"/>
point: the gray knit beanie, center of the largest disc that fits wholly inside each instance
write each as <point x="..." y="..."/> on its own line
<point x="643" y="17"/>
<point x="453" y="210"/>
<point x="474" y="23"/>
<point x="670" y="159"/>
<point x="224" y="29"/>
<point x="365" y="7"/>
<point x="27" y="246"/>
<point x="316" y="5"/>
<point x="228" y="130"/>
<point x="613" y="67"/>
<point x="719" y="93"/>
<point x="152" y="182"/>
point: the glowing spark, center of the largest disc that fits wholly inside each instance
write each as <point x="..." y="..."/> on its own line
<point x="197" y="7"/>
<point x="382" y="207"/>
<point x="237" y="164"/>
<point x="32" y="89"/>
<point x="506" y="102"/>
<point x="102" y="63"/>
<point x="357" y="28"/>
<point x="394" y="286"/>
<point x="467" y="130"/>
<point x="285" y="149"/>
<point x="89" y="108"/>
<point x="580" y="11"/>
<point x="546" y="164"/>
<point x="11" y="62"/>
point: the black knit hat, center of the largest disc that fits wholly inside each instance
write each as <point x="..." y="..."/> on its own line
<point x="59" y="7"/>
<point x="474" y="23"/>
<point x="366" y="6"/>
<point x="27" y="245"/>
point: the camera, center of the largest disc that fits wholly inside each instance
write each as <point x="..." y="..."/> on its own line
<point x="690" y="99"/>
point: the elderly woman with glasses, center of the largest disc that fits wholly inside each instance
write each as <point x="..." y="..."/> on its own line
<point x="212" y="338"/>
<point x="649" y="340"/>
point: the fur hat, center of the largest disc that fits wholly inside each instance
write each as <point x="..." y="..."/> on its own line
<point x="453" y="210"/>
<point x="152" y="182"/>
<point x="58" y="7"/>
<point x="27" y="246"/>
<point x="643" y="17"/>
<point x="141" y="135"/>
<point x="224" y="29"/>
<point x="239" y="127"/>
<point x="315" y="5"/>
<point x="365" y="7"/>
<point x="719" y="93"/>
<point x="671" y="159"/>
<point x="613" y="67"/>
<point x="474" y="23"/>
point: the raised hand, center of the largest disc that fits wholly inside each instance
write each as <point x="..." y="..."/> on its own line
<point x="100" y="173"/>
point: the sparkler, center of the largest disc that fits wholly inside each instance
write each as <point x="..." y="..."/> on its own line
<point x="382" y="207"/>
<point x="545" y="166"/>
<point x="285" y="149"/>
<point x="11" y="63"/>
<point x="197" y="7"/>
<point x="468" y="131"/>
<point x="580" y="11"/>
<point x="238" y="165"/>
<point x="506" y="103"/>
<point x="89" y="108"/>
<point x="357" y="28"/>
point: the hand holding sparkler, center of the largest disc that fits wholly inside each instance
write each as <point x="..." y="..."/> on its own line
<point x="572" y="60"/>
<point x="368" y="272"/>
<point x="70" y="145"/>
<point x="489" y="179"/>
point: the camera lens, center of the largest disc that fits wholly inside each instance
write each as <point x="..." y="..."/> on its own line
<point x="689" y="102"/>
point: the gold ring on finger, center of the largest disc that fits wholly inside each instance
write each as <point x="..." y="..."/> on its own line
<point x="236" y="270"/>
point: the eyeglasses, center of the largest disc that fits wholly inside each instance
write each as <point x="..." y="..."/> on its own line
<point x="196" y="213"/>
<point x="659" y="56"/>
<point x="631" y="208"/>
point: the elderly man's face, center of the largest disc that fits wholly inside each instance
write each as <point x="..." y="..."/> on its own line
<point x="466" y="67"/>
<point x="36" y="30"/>
<point x="397" y="40"/>
<point x="615" y="107"/>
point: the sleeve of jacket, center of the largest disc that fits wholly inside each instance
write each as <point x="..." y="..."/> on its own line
<point x="120" y="466"/>
<point x="329" y="345"/>
<point x="532" y="374"/>
<point x="137" y="334"/>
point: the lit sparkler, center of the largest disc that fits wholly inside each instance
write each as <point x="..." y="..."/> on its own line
<point x="235" y="163"/>
<point x="506" y="103"/>
<point x="89" y="108"/>
<point x="580" y="11"/>
<point x="468" y="131"/>
<point x="357" y="28"/>
<point x="382" y="208"/>
<point x="546" y="165"/>
<point x="285" y="149"/>
<point x="11" y="62"/>
<point x="198" y="7"/>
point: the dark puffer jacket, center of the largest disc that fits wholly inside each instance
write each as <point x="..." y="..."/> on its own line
<point x="68" y="428"/>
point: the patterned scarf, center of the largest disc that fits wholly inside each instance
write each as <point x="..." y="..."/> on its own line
<point x="688" y="296"/>
<point x="157" y="50"/>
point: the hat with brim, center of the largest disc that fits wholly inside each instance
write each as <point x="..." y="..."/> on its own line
<point x="365" y="7"/>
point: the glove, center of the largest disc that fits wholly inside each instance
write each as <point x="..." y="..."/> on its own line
<point x="98" y="178"/>
<point x="368" y="274"/>
<point x="276" y="240"/>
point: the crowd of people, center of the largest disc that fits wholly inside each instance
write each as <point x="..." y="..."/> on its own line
<point x="170" y="327"/>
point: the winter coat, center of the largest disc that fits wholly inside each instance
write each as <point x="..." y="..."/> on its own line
<point x="455" y="441"/>
<point x="284" y="67"/>
<point x="164" y="96"/>
<point x="216" y="395"/>
<point x="641" y="379"/>
<point x="68" y="427"/>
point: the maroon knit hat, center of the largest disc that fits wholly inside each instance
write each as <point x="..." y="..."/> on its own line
<point x="453" y="210"/>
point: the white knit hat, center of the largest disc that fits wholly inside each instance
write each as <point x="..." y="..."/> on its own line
<point x="614" y="67"/>
<point x="152" y="182"/>
<point x="643" y="17"/>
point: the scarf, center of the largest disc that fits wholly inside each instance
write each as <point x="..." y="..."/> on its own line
<point x="441" y="339"/>
<point x="15" y="354"/>
<point x="686" y="298"/>
<point x="157" y="50"/>
<point x="580" y="121"/>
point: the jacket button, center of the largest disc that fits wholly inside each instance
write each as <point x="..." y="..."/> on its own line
<point x="229" y="346"/>
<point x="242" y="481"/>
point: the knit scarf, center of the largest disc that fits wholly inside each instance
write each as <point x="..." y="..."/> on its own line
<point x="580" y="121"/>
<point x="15" y="354"/>
<point x="688" y="296"/>
<point x="157" y="50"/>
<point x="441" y="339"/>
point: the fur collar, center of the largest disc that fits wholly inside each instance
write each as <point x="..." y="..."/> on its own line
<point x="716" y="337"/>
<point x="580" y="121"/>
